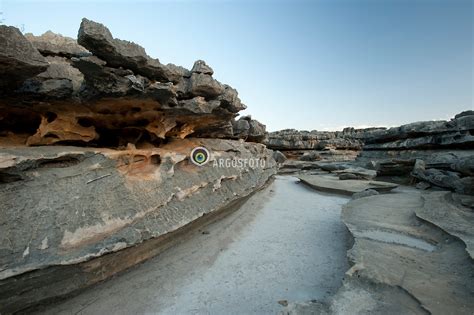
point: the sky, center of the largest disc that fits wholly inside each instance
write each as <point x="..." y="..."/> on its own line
<point x="306" y="65"/>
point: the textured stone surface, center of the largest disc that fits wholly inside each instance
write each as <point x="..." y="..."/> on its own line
<point x="79" y="203"/>
<point x="19" y="60"/>
<point x="57" y="45"/>
<point x="113" y="98"/>
<point x="394" y="248"/>
<point x="348" y="187"/>
<point x="442" y="210"/>
<point x="120" y="53"/>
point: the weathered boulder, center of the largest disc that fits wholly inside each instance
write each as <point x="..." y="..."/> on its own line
<point x="120" y="53"/>
<point x="447" y="179"/>
<point x="279" y="157"/>
<point x="310" y="156"/>
<point x="60" y="80"/>
<point x="203" y="84"/>
<point x="200" y="66"/>
<point x="19" y="60"/>
<point x="51" y="44"/>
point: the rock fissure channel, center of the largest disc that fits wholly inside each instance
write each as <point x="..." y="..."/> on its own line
<point x="285" y="243"/>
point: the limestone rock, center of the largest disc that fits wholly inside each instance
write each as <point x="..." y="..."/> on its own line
<point x="19" y="60"/>
<point x="51" y="44"/>
<point x="200" y="66"/>
<point x="103" y="201"/>
<point x="348" y="187"/>
<point x="447" y="179"/>
<point x="365" y="193"/>
<point x="279" y="157"/>
<point x="442" y="210"/>
<point x="60" y="80"/>
<point x="310" y="156"/>
<point x="120" y="53"/>
<point x="393" y="248"/>
<point x="205" y="85"/>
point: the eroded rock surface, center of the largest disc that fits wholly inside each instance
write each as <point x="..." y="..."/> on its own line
<point x="394" y="248"/>
<point x="19" y="60"/>
<point x="95" y="173"/>
<point x="348" y="187"/>
<point x="75" y="204"/>
<point x="441" y="209"/>
<point x="110" y="94"/>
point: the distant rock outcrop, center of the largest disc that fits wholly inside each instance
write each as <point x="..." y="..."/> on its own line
<point x="446" y="149"/>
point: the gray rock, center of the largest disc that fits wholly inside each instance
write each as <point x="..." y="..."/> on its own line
<point x="464" y="113"/>
<point x="78" y="204"/>
<point x="19" y="60"/>
<point x="347" y="187"/>
<point x="346" y="176"/>
<point x="200" y="66"/>
<point x="422" y="185"/>
<point x="230" y="101"/>
<point x="447" y="179"/>
<point x="60" y="80"/>
<point x="51" y="44"/>
<point x="241" y="128"/>
<point x="355" y="172"/>
<point x="198" y="105"/>
<point x="257" y="131"/>
<point x="120" y="53"/>
<point x="279" y="157"/>
<point x="464" y="165"/>
<point x="204" y="85"/>
<point x="393" y="248"/>
<point x="442" y="210"/>
<point x="310" y="156"/>
<point x="101" y="80"/>
<point x="365" y="193"/>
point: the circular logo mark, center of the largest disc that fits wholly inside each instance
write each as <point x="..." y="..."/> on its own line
<point x="200" y="156"/>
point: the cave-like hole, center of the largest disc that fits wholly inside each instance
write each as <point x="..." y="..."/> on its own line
<point x="60" y="162"/>
<point x="51" y="135"/>
<point x="155" y="159"/>
<point x="19" y="121"/>
<point x="141" y="123"/>
<point x="50" y="116"/>
<point x="9" y="178"/>
<point x="85" y="121"/>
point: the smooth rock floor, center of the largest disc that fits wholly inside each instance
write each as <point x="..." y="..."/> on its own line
<point x="287" y="242"/>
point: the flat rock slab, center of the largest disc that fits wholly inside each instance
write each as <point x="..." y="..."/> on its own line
<point x="440" y="209"/>
<point x="393" y="247"/>
<point x="348" y="187"/>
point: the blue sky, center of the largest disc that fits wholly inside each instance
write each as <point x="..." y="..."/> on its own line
<point x="299" y="64"/>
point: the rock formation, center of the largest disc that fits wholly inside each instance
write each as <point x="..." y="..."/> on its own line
<point x="444" y="150"/>
<point x="95" y="172"/>
<point x="107" y="93"/>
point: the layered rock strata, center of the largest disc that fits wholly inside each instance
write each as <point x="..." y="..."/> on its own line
<point x="440" y="153"/>
<point x="107" y="92"/>
<point x="95" y="167"/>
